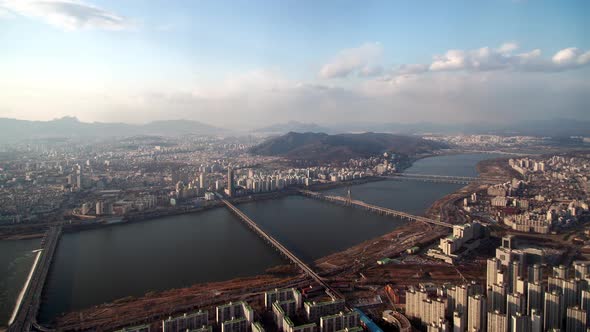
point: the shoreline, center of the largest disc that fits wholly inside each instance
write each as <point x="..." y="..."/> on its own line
<point x="80" y="226"/>
<point x="332" y="265"/>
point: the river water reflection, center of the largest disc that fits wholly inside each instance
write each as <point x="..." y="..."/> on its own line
<point x="93" y="267"/>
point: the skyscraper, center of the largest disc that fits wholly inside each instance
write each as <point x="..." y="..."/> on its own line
<point x="516" y="303"/>
<point x="576" y="320"/>
<point x="515" y="271"/>
<point x="458" y="322"/>
<point x="536" y="321"/>
<point x="519" y="323"/>
<point x="535" y="297"/>
<point x="457" y="297"/>
<point x="560" y="272"/>
<point x="202" y="180"/>
<point x="553" y="313"/>
<point x="586" y="303"/>
<point x="572" y="292"/>
<point x="476" y="316"/>
<point x="580" y="270"/>
<point x="493" y="267"/>
<point x="497" y="298"/>
<point x="230" y="182"/>
<point x="535" y="273"/>
<point x="496" y="322"/>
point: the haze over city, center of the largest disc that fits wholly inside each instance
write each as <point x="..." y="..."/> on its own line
<point x="294" y="166"/>
<point x="254" y="63"/>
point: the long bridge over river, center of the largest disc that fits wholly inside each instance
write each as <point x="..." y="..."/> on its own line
<point x="373" y="208"/>
<point x="24" y="317"/>
<point x="333" y="293"/>
<point x="442" y="178"/>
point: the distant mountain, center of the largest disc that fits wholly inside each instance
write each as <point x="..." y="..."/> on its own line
<point x="320" y="146"/>
<point x="541" y="128"/>
<point x="547" y="128"/>
<point x="295" y="126"/>
<point x="12" y="129"/>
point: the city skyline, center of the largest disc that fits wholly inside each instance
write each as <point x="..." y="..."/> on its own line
<point x="255" y="64"/>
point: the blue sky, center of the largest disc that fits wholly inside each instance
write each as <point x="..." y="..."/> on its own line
<point x="250" y="63"/>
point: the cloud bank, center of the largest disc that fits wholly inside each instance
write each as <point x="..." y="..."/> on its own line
<point x="359" y="60"/>
<point x="67" y="14"/>
<point x="483" y="85"/>
<point x="502" y="58"/>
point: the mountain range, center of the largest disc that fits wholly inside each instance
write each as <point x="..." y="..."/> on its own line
<point x="295" y="126"/>
<point x="17" y="130"/>
<point x="557" y="127"/>
<point x="12" y="129"/>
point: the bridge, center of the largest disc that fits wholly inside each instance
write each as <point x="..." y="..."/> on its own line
<point x="333" y="293"/>
<point x="373" y="208"/>
<point x="442" y="178"/>
<point x="24" y="317"/>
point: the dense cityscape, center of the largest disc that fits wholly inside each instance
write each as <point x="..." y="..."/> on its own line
<point x="522" y="200"/>
<point x="294" y="166"/>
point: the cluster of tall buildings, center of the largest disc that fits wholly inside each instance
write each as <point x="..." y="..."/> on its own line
<point x="292" y="315"/>
<point x="119" y="203"/>
<point x="195" y="321"/>
<point x="230" y="317"/>
<point x="235" y="317"/>
<point x="464" y="239"/>
<point x="553" y="195"/>
<point x="510" y="301"/>
<point x="526" y="165"/>
<point x="75" y="179"/>
<point x="486" y="142"/>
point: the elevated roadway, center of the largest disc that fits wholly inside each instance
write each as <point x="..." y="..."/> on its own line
<point x="24" y="318"/>
<point x="333" y="293"/>
<point x="373" y="208"/>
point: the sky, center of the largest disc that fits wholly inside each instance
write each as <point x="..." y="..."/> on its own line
<point x="248" y="64"/>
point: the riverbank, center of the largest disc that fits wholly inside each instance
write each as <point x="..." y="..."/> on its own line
<point x="342" y="268"/>
<point x="157" y="306"/>
<point x="446" y="207"/>
<point x="31" y="231"/>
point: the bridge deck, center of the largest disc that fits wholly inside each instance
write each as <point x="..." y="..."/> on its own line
<point x="286" y="252"/>
<point x="443" y="178"/>
<point x="386" y="211"/>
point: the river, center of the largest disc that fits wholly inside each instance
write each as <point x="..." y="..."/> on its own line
<point x="101" y="265"/>
<point x="16" y="259"/>
<point x="416" y="196"/>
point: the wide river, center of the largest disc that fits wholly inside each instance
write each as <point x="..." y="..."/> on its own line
<point x="102" y="265"/>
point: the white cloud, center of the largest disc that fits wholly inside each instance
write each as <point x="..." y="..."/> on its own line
<point x="571" y="58"/>
<point x="409" y="69"/>
<point x="566" y="56"/>
<point x="488" y="59"/>
<point x="371" y="70"/>
<point x="508" y="47"/>
<point x="67" y="14"/>
<point x="263" y="96"/>
<point x="584" y="58"/>
<point x="452" y="60"/>
<point x="359" y="60"/>
<point x="262" y="81"/>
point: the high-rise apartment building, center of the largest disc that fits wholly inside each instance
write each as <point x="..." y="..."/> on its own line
<point x="476" y="315"/>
